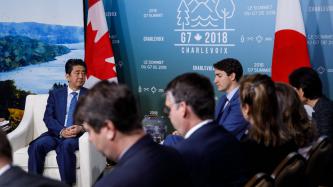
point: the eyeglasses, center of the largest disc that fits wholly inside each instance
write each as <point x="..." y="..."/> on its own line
<point x="166" y="110"/>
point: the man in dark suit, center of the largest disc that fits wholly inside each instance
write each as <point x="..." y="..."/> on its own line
<point x="228" y="112"/>
<point x="110" y="115"/>
<point x="62" y="135"/>
<point x="308" y="86"/>
<point x="212" y="155"/>
<point x="13" y="176"/>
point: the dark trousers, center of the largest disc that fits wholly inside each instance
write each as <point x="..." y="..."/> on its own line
<point x="66" y="159"/>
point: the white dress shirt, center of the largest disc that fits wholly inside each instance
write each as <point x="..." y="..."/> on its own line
<point x="196" y="127"/>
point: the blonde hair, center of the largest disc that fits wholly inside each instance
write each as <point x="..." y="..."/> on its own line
<point x="258" y="92"/>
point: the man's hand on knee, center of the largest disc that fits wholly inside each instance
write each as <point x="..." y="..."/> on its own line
<point x="67" y="133"/>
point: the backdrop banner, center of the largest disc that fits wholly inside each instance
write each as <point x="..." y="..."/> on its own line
<point x="156" y="40"/>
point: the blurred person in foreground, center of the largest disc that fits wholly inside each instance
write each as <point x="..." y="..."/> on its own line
<point x="110" y="115"/>
<point x="212" y="155"/>
<point x="13" y="176"/>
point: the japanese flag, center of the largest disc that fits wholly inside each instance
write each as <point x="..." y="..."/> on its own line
<point x="290" y="45"/>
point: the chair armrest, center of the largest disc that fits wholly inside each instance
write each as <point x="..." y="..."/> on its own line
<point x="23" y="134"/>
<point x="92" y="162"/>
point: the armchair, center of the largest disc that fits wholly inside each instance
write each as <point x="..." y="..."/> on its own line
<point x="90" y="163"/>
<point x="290" y="171"/>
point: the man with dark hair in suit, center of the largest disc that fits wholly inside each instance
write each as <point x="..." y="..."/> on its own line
<point x="62" y="135"/>
<point x="308" y="86"/>
<point x="228" y="112"/>
<point x="13" y="176"/>
<point x="110" y="115"/>
<point x="212" y="155"/>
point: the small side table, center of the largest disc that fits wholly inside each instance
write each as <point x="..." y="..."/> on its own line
<point x="5" y="126"/>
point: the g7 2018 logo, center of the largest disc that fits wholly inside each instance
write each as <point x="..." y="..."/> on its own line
<point x="202" y="26"/>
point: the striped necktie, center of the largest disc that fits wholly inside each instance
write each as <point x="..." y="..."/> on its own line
<point x="71" y="110"/>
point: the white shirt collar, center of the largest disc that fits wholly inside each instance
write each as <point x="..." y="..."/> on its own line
<point x="69" y="91"/>
<point x="232" y="93"/>
<point x="196" y="127"/>
<point x="4" y="169"/>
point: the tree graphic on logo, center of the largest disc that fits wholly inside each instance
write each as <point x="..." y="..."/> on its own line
<point x="225" y="9"/>
<point x="183" y="15"/>
<point x="202" y="26"/>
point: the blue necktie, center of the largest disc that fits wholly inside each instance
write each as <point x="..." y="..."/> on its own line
<point x="224" y="101"/>
<point x="71" y="110"/>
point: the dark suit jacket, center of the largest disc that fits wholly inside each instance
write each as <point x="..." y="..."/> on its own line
<point x="231" y="118"/>
<point x="16" y="177"/>
<point x="323" y="116"/>
<point x="55" y="112"/>
<point x="262" y="158"/>
<point x="213" y="157"/>
<point x="147" y="164"/>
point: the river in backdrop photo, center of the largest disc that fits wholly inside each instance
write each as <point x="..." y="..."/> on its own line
<point x="39" y="78"/>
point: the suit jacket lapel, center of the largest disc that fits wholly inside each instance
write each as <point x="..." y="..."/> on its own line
<point x="227" y="109"/>
<point x="235" y="97"/>
<point x="220" y="105"/>
<point x="225" y="112"/>
<point x="83" y="91"/>
<point x="63" y="103"/>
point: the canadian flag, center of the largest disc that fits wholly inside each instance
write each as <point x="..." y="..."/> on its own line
<point x="290" y="46"/>
<point x="98" y="50"/>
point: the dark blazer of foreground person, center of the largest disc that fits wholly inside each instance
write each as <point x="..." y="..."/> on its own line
<point x="110" y="115"/>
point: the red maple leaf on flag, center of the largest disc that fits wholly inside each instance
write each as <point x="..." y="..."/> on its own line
<point x="98" y="49"/>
